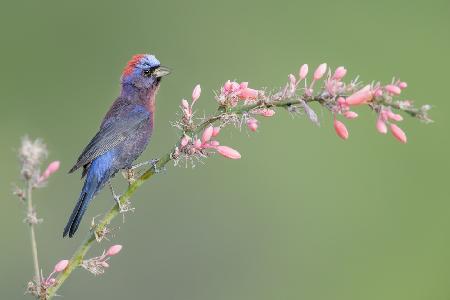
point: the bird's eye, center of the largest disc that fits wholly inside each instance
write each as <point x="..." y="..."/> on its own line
<point x="147" y="72"/>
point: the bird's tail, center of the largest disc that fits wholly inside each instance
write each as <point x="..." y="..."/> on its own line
<point x="87" y="194"/>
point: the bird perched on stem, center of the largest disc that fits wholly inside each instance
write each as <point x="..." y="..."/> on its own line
<point x="123" y="135"/>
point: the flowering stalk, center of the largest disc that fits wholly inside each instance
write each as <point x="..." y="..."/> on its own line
<point x="239" y="104"/>
<point x="30" y="212"/>
<point x="31" y="154"/>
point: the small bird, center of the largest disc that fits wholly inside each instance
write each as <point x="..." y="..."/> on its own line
<point x="123" y="135"/>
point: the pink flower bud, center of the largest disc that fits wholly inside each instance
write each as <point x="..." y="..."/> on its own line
<point x="50" y="281"/>
<point x="61" y="266"/>
<point x="113" y="250"/>
<point x="187" y="112"/>
<point x="104" y="264"/>
<point x="243" y="85"/>
<point x="378" y="93"/>
<point x="403" y="85"/>
<point x="341" y="101"/>
<point x="394" y="116"/>
<point x="381" y="126"/>
<point x="248" y="93"/>
<point x="320" y="71"/>
<point x="235" y="86"/>
<point x="350" y="115"/>
<point x="398" y="133"/>
<point x="197" y="144"/>
<point x="196" y="93"/>
<point x="184" y="141"/>
<point x="252" y="124"/>
<point x="265" y="112"/>
<point x="393" y="89"/>
<point x="214" y="143"/>
<point x="303" y="72"/>
<point x="341" y="130"/>
<point x="207" y="134"/>
<point x="339" y="73"/>
<point x="184" y="104"/>
<point x="292" y="79"/>
<point x="384" y="115"/>
<point x="228" y="152"/>
<point x="52" y="168"/>
<point x="216" y="131"/>
<point x="227" y="86"/>
<point x="362" y="96"/>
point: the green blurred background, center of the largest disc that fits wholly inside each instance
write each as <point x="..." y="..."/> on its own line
<point x="303" y="215"/>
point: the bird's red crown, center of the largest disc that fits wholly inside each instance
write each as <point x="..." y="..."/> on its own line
<point x="129" y="68"/>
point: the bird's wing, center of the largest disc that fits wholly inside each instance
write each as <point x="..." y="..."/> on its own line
<point x="113" y="133"/>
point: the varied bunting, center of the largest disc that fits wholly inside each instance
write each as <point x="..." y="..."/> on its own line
<point x="124" y="133"/>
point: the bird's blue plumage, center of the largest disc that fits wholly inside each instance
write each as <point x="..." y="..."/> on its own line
<point x="123" y="134"/>
<point x="97" y="176"/>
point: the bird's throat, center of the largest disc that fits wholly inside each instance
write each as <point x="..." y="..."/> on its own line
<point x="144" y="97"/>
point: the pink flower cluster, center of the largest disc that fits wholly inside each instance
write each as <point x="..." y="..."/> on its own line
<point x="195" y="146"/>
<point x="59" y="267"/>
<point x="97" y="265"/>
<point x="231" y="92"/>
<point x="385" y="116"/>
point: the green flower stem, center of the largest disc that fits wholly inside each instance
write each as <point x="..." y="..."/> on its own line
<point x="37" y="272"/>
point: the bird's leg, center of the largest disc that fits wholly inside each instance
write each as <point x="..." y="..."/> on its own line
<point x="123" y="208"/>
<point x="128" y="174"/>
<point x="115" y="196"/>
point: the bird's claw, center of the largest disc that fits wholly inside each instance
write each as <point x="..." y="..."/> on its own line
<point x="129" y="175"/>
<point x="122" y="207"/>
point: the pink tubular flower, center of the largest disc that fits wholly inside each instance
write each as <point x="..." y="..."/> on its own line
<point x="393" y="89"/>
<point x="228" y="152"/>
<point x="50" y="281"/>
<point x="207" y="134"/>
<point x="339" y="73"/>
<point x="184" y="104"/>
<point x="398" y="133"/>
<point x="184" y="141"/>
<point x="265" y="112"/>
<point x="61" y="266"/>
<point x="362" y="96"/>
<point x="303" y="72"/>
<point x="252" y="124"/>
<point x="196" y="93"/>
<point x="248" y="93"/>
<point x="214" y="144"/>
<point x="403" y="85"/>
<point x="341" y="130"/>
<point x="113" y="250"/>
<point x="216" y="131"/>
<point x="350" y="115"/>
<point x="320" y="71"/>
<point x="227" y="87"/>
<point x="292" y="79"/>
<point x="197" y="144"/>
<point x="381" y="126"/>
<point x="52" y="168"/>
<point x="394" y="116"/>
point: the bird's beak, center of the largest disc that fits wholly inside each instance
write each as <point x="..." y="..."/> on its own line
<point x="161" y="71"/>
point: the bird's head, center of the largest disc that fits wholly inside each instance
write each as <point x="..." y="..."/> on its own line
<point x="143" y="71"/>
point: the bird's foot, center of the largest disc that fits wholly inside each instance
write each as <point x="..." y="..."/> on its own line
<point x="129" y="175"/>
<point x="117" y="198"/>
